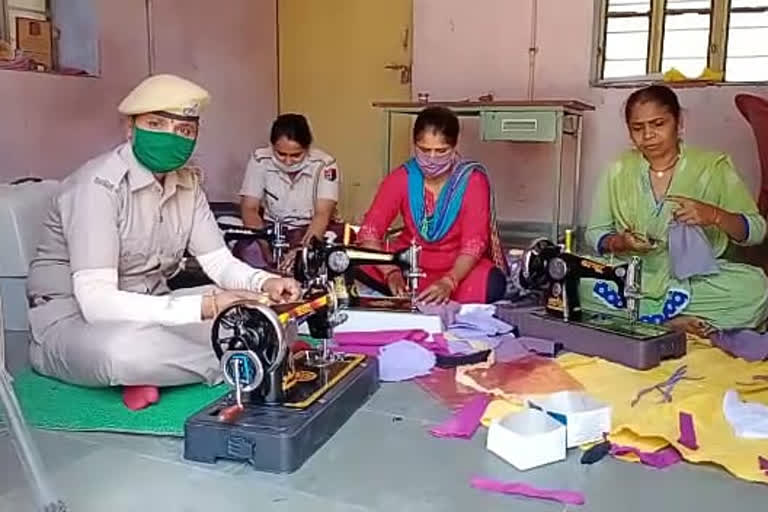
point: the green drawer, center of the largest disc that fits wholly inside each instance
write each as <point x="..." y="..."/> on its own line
<point x="526" y="126"/>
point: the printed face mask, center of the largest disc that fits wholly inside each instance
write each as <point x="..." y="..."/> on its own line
<point x="436" y="165"/>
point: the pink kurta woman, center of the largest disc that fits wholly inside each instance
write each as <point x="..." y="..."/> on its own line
<point x="446" y="204"/>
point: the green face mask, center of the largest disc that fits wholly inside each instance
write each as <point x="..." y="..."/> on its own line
<point x="161" y="152"/>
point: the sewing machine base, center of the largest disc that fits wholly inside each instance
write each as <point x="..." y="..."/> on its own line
<point x="389" y="304"/>
<point x="278" y="438"/>
<point x="638" y="346"/>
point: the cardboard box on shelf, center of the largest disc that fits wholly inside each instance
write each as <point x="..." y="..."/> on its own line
<point x="35" y="39"/>
<point x="6" y="51"/>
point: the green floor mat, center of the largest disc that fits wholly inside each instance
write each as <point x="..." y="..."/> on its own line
<point x="53" y="405"/>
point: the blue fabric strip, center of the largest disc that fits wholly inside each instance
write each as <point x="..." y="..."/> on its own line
<point x="448" y="206"/>
<point x="599" y="246"/>
<point x="746" y="225"/>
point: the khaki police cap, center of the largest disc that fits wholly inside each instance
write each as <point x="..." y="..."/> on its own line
<point x="165" y="93"/>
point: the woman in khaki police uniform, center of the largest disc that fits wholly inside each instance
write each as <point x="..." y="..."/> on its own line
<point x="292" y="182"/>
<point x="101" y="311"/>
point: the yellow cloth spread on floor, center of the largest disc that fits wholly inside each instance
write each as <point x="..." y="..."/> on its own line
<point x="650" y="425"/>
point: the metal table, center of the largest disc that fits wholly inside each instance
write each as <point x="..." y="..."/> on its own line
<point x="514" y="121"/>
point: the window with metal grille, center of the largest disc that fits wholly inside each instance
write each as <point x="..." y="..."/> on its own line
<point x="638" y="39"/>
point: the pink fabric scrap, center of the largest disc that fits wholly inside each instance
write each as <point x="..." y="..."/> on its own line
<point x="368" y="343"/>
<point x="762" y="462"/>
<point x="660" y="459"/>
<point x="379" y="338"/>
<point x="465" y="421"/>
<point x="687" y="432"/>
<point x="439" y="344"/>
<point x="566" y="497"/>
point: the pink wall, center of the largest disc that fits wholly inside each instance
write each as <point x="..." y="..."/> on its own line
<point x="466" y="49"/>
<point x="50" y="124"/>
<point x="232" y="52"/>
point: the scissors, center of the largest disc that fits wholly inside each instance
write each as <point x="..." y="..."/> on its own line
<point x="654" y="242"/>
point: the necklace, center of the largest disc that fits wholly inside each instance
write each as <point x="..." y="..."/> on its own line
<point x="660" y="172"/>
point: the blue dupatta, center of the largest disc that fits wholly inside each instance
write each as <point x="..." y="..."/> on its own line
<point x="433" y="228"/>
<point x="448" y="207"/>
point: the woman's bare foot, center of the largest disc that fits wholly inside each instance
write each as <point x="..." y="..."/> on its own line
<point x="691" y="325"/>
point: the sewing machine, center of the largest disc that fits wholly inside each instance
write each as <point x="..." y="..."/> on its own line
<point x="284" y="405"/>
<point x="275" y="234"/>
<point x="621" y="338"/>
<point x="322" y="262"/>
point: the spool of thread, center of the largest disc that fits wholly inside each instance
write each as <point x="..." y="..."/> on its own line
<point x="568" y="240"/>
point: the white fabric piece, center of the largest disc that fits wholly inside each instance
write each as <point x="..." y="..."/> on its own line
<point x="748" y="419"/>
<point x="100" y="300"/>
<point x="489" y="309"/>
<point x="230" y="273"/>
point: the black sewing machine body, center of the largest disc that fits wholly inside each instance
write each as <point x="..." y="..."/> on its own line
<point x="274" y="233"/>
<point x="320" y="263"/>
<point x="284" y="405"/>
<point x="561" y="272"/>
<point x="618" y="337"/>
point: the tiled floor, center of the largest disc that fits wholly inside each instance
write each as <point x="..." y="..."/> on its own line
<point x="383" y="459"/>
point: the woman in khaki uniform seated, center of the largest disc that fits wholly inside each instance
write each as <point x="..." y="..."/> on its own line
<point x="291" y="181"/>
<point x="101" y="310"/>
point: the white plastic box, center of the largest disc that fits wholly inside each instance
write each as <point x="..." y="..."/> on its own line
<point x="527" y="439"/>
<point x="586" y="419"/>
<point x="23" y="208"/>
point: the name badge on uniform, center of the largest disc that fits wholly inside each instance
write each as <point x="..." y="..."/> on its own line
<point x="98" y="180"/>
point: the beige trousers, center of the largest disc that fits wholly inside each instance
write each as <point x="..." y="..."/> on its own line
<point x="65" y="347"/>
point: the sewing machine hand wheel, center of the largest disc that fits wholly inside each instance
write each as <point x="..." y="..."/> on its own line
<point x="252" y="337"/>
<point x="308" y="261"/>
<point x="243" y="367"/>
<point x="534" y="271"/>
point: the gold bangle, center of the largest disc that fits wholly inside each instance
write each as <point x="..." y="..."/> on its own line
<point x="214" y="306"/>
<point x="718" y="216"/>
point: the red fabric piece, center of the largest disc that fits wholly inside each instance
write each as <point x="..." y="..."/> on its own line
<point x="140" y="397"/>
<point x="470" y="234"/>
<point x="441" y="385"/>
<point x="300" y="346"/>
<point x="526" y="376"/>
